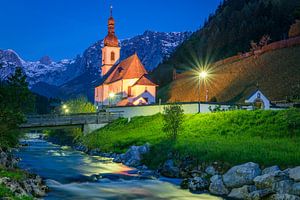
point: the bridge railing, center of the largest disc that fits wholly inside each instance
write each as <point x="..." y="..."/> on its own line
<point x="70" y="119"/>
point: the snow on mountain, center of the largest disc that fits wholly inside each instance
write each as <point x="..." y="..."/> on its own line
<point x="44" y="70"/>
<point x="79" y="76"/>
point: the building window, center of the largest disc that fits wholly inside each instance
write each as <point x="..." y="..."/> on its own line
<point x="112" y="56"/>
<point x="129" y="91"/>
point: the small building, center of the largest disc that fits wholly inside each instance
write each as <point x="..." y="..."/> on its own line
<point x="123" y="82"/>
<point x="258" y="100"/>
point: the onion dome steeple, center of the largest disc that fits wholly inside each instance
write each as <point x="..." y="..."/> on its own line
<point x="111" y="39"/>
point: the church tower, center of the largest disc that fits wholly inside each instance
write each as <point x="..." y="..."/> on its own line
<point x="111" y="49"/>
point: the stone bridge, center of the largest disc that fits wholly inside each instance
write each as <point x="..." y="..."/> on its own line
<point x="88" y="122"/>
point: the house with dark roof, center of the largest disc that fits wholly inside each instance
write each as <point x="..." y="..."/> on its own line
<point x="123" y="82"/>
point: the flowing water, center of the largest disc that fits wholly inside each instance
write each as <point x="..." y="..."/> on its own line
<point x="69" y="175"/>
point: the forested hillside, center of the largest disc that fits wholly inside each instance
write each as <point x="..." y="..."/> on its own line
<point x="229" y="31"/>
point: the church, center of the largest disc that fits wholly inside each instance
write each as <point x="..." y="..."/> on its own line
<point x="126" y="82"/>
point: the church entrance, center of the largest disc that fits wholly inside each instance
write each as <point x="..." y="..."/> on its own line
<point x="258" y="104"/>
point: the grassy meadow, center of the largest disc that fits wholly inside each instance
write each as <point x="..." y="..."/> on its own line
<point x="233" y="137"/>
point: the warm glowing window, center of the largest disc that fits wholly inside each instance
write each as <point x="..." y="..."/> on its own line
<point x="112" y="56"/>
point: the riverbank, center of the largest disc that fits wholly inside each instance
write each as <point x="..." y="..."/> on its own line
<point x="244" y="143"/>
<point x="233" y="137"/>
<point x="18" y="184"/>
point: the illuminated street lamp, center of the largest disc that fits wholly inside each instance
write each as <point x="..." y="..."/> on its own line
<point x="111" y="96"/>
<point x="201" y="76"/>
<point x="65" y="109"/>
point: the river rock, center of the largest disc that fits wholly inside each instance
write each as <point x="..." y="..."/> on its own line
<point x="269" y="170"/>
<point x="294" y="173"/>
<point x="259" y="194"/>
<point x="211" y="170"/>
<point x="13" y="186"/>
<point x="283" y="187"/>
<point x="170" y="170"/>
<point x="242" y="192"/>
<point x="198" y="184"/>
<point x="241" y="175"/>
<point x="81" y="148"/>
<point x="7" y="160"/>
<point x="269" y="179"/>
<point x="184" y="184"/>
<point x="148" y="174"/>
<point x="217" y="186"/>
<point x="296" y="189"/>
<point x="96" y="152"/>
<point x="283" y="197"/>
<point x="134" y="154"/>
<point x="117" y="158"/>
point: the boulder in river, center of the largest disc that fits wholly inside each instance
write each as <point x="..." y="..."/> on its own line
<point x="282" y="187"/>
<point x="198" y="184"/>
<point x="271" y="169"/>
<point x="268" y="180"/>
<point x="217" y="186"/>
<point x="169" y="169"/>
<point x="283" y="197"/>
<point x="211" y="170"/>
<point x="242" y="192"/>
<point x="259" y="194"/>
<point x="296" y="189"/>
<point x="133" y="155"/>
<point x="241" y="175"/>
<point x="294" y="174"/>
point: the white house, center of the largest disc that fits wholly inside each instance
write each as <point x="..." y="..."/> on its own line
<point x="258" y="100"/>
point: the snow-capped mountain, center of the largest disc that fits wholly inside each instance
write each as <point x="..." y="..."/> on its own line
<point x="44" y="70"/>
<point x="78" y="76"/>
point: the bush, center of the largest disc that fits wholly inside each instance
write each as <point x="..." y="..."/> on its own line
<point x="79" y="105"/>
<point x="173" y="118"/>
<point x="65" y="136"/>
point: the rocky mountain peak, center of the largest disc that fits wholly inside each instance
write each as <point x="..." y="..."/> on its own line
<point x="46" y="60"/>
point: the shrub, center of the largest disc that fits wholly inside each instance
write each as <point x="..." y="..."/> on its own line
<point x="173" y="119"/>
<point x="79" y="105"/>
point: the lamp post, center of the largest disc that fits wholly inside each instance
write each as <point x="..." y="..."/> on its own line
<point x="201" y="76"/>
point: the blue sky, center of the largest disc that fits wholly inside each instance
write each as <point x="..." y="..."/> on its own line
<point x="65" y="28"/>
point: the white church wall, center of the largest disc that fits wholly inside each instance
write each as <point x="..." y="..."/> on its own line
<point x="189" y="108"/>
<point x="126" y="84"/>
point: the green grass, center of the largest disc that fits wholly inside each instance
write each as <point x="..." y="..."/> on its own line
<point x="14" y="174"/>
<point x="233" y="137"/>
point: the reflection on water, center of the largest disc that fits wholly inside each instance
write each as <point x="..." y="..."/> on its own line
<point x="68" y="175"/>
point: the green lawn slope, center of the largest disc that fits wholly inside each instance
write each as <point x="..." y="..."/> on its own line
<point x="265" y="137"/>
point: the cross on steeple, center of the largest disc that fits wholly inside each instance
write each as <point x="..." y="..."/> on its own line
<point x="111" y="10"/>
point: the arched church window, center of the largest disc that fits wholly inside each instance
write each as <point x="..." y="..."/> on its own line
<point x="112" y="56"/>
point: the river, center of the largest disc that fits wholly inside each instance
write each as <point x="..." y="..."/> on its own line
<point x="69" y="175"/>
